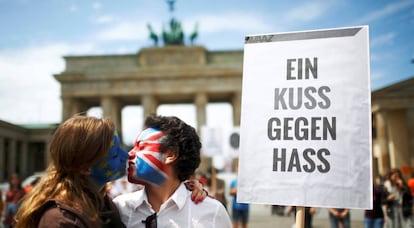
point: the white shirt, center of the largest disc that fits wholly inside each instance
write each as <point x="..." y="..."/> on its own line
<point x="177" y="211"/>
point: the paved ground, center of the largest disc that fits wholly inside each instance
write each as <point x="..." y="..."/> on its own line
<point x="260" y="217"/>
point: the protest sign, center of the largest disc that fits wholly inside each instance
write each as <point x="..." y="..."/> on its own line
<point x="305" y="133"/>
<point x="211" y="141"/>
<point x="232" y="142"/>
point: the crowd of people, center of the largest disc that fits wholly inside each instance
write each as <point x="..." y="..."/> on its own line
<point x="88" y="184"/>
<point x="393" y="205"/>
<point x="399" y="200"/>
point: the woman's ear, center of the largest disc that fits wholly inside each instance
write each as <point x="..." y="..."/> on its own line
<point x="170" y="156"/>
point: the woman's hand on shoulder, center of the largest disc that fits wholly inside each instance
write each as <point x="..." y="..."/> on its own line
<point x="198" y="193"/>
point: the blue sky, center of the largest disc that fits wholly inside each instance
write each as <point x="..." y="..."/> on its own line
<point x="37" y="34"/>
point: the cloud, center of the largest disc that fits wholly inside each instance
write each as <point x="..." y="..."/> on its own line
<point x="231" y="21"/>
<point x="385" y="11"/>
<point x="126" y="30"/>
<point x="307" y="12"/>
<point x="137" y="29"/>
<point x="96" y="5"/>
<point x="103" y="19"/>
<point x="248" y="22"/>
<point x="376" y="79"/>
<point x="375" y="57"/>
<point x="28" y="91"/>
<point x="73" y="8"/>
<point x="382" y="40"/>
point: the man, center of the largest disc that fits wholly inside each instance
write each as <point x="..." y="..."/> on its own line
<point x="240" y="210"/>
<point x="165" y="154"/>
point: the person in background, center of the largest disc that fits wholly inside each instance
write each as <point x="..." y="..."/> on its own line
<point x="309" y="212"/>
<point x="410" y="184"/>
<point x="1" y="208"/>
<point x="166" y="154"/>
<point x="240" y="211"/>
<point x="388" y="206"/>
<point x="375" y="218"/>
<point x="13" y="196"/>
<point x="217" y="187"/>
<point x="31" y="185"/>
<point x="339" y="217"/>
<point x="399" y="202"/>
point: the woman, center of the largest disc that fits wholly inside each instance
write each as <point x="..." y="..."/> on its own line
<point x="13" y="195"/>
<point x="374" y="218"/>
<point x="85" y="153"/>
<point x="399" y="202"/>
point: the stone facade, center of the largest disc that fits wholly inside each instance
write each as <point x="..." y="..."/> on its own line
<point x="154" y="76"/>
<point x="23" y="148"/>
<point x="393" y="127"/>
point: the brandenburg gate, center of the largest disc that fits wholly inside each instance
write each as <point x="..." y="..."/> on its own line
<point x="178" y="73"/>
<point x="173" y="74"/>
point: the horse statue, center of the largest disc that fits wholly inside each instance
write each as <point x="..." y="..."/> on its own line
<point x="194" y="34"/>
<point x="176" y="34"/>
<point x="153" y="36"/>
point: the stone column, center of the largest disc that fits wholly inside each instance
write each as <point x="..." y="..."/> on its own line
<point x="111" y="108"/>
<point x="24" y="171"/>
<point x="11" y="161"/>
<point x="410" y="134"/>
<point x="2" y="160"/>
<point x="66" y="108"/>
<point x="382" y="137"/>
<point x="71" y="106"/>
<point x="398" y="138"/>
<point x="149" y="105"/>
<point x="201" y="101"/>
<point x="236" y="104"/>
<point x="47" y="158"/>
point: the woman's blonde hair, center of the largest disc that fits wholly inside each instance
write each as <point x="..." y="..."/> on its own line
<point x="76" y="145"/>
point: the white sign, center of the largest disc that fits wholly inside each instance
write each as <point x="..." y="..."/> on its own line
<point x="232" y="143"/>
<point x="211" y="141"/>
<point x="305" y="134"/>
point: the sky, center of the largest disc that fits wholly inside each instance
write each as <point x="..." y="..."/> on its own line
<point x="36" y="35"/>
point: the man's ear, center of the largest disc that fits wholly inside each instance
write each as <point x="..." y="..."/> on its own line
<point x="170" y="156"/>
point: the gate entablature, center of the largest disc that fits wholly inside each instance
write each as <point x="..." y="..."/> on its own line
<point x="153" y="76"/>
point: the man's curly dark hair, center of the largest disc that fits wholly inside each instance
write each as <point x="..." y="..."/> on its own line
<point x="181" y="138"/>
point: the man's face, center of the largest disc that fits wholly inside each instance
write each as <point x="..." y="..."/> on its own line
<point x="146" y="163"/>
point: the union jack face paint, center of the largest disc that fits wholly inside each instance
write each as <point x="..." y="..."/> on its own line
<point x="145" y="159"/>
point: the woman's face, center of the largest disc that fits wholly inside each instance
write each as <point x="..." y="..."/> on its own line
<point x="394" y="177"/>
<point x="145" y="159"/>
<point x="14" y="181"/>
<point x="113" y="165"/>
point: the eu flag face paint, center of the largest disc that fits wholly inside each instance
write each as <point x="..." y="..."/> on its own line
<point x="145" y="159"/>
<point x="112" y="166"/>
